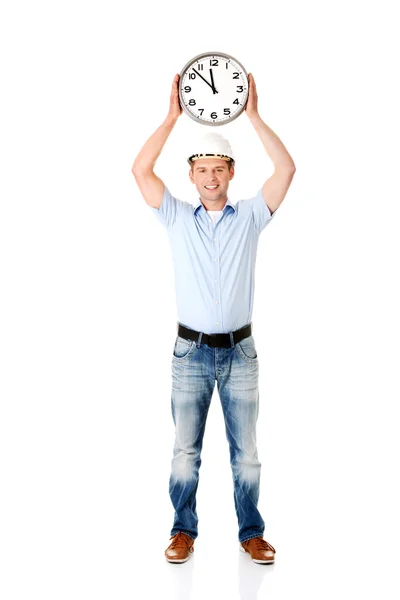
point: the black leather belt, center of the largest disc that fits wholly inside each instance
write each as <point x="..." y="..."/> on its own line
<point x="215" y="340"/>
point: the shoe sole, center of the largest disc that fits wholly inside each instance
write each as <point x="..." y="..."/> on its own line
<point x="177" y="560"/>
<point x="260" y="562"/>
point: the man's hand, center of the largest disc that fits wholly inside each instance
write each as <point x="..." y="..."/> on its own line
<point x="175" y="109"/>
<point x="252" y="100"/>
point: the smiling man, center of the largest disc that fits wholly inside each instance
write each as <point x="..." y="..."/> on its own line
<point x="211" y="175"/>
<point x="214" y="247"/>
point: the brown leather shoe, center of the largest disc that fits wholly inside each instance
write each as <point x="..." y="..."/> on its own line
<point x="180" y="547"/>
<point x="259" y="549"/>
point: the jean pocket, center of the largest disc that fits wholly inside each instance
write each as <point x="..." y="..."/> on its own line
<point x="247" y="349"/>
<point x="183" y="348"/>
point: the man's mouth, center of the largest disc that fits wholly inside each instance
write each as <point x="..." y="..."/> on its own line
<point x="211" y="187"/>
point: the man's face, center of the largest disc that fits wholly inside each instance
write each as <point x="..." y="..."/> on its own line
<point x="208" y="173"/>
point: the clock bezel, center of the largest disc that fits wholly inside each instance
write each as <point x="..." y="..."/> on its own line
<point x="199" y="119"/>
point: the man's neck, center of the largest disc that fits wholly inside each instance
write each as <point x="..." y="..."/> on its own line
<point x="217" y="205"/>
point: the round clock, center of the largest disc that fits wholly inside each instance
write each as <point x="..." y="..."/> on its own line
<point x="213" y="88"/>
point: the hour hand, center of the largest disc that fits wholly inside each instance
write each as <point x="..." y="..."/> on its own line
<point x="212" y="81"/>
<point x="204" y="79"/>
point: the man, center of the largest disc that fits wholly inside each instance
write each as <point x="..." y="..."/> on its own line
<point x="214" y="248"/>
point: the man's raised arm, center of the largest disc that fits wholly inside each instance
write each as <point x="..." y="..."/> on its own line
<point x="275" y="188"/>
<point x="151" y="186"/>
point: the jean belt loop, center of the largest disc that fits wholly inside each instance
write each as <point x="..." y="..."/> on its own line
<point x="232" y="340"/>
<point x="199" y="340"/>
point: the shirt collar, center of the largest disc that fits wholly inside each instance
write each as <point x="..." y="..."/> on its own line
<point x="199" y="204"/>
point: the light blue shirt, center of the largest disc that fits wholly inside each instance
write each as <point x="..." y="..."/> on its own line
<point x="214" y="265"/>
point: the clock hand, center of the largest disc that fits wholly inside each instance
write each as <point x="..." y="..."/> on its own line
<point x="207" y="82"/>
<point x="213" y="84"/>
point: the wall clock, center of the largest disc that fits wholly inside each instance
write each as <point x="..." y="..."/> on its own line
<point x="213" y="88"/>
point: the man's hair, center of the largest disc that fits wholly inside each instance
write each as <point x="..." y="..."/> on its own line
<point x="230" y="163"/>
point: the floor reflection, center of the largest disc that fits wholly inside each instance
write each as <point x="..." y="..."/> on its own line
<point x="181" y="576"/>
<point x="251" y="576"/>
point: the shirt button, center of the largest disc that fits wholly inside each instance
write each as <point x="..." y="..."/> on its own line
<point x="215" y="280"/>
<point x="218" y="323"/>
<point x="213" y="239"/>
<point x="215" y="260"/>
<point x="217" y="302"/>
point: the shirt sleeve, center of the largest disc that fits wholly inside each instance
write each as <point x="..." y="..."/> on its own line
<point x="261" y="213"/>
<point x="169" y="209"/>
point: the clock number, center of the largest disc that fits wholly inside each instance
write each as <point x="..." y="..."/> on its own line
<point x="235" y="76"/>
<point x="202" y="110"/>
<point x="200" y="67"/>
<point x="192" y="102"/>
<point x="213" y="62"/>
<point x="187" y="89"/>
<point x="227" y="111"/>
<point x="236" y="101"/>
<point x="239" y="88"/>
<point x="214" y="115"/>
<point x="192" y="75"/>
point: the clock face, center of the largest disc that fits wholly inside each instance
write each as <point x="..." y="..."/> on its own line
<point x="213" y="88"/>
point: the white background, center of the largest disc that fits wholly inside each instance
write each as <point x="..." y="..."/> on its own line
<point x="88" y="317"/>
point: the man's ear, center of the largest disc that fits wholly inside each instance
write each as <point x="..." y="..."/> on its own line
<point x="191" y="176"/>
<point x="231" y="173"/>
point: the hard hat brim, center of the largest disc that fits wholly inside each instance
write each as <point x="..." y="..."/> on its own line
<point x="199" y="156"/>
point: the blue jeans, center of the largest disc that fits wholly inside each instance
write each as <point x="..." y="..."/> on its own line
<point x="195" y="367"/>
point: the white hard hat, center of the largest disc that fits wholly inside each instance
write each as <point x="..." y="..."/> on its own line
<point x="211" y="145"/>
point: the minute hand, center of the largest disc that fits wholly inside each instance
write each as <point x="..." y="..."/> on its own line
<point x="207" y="82"/>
